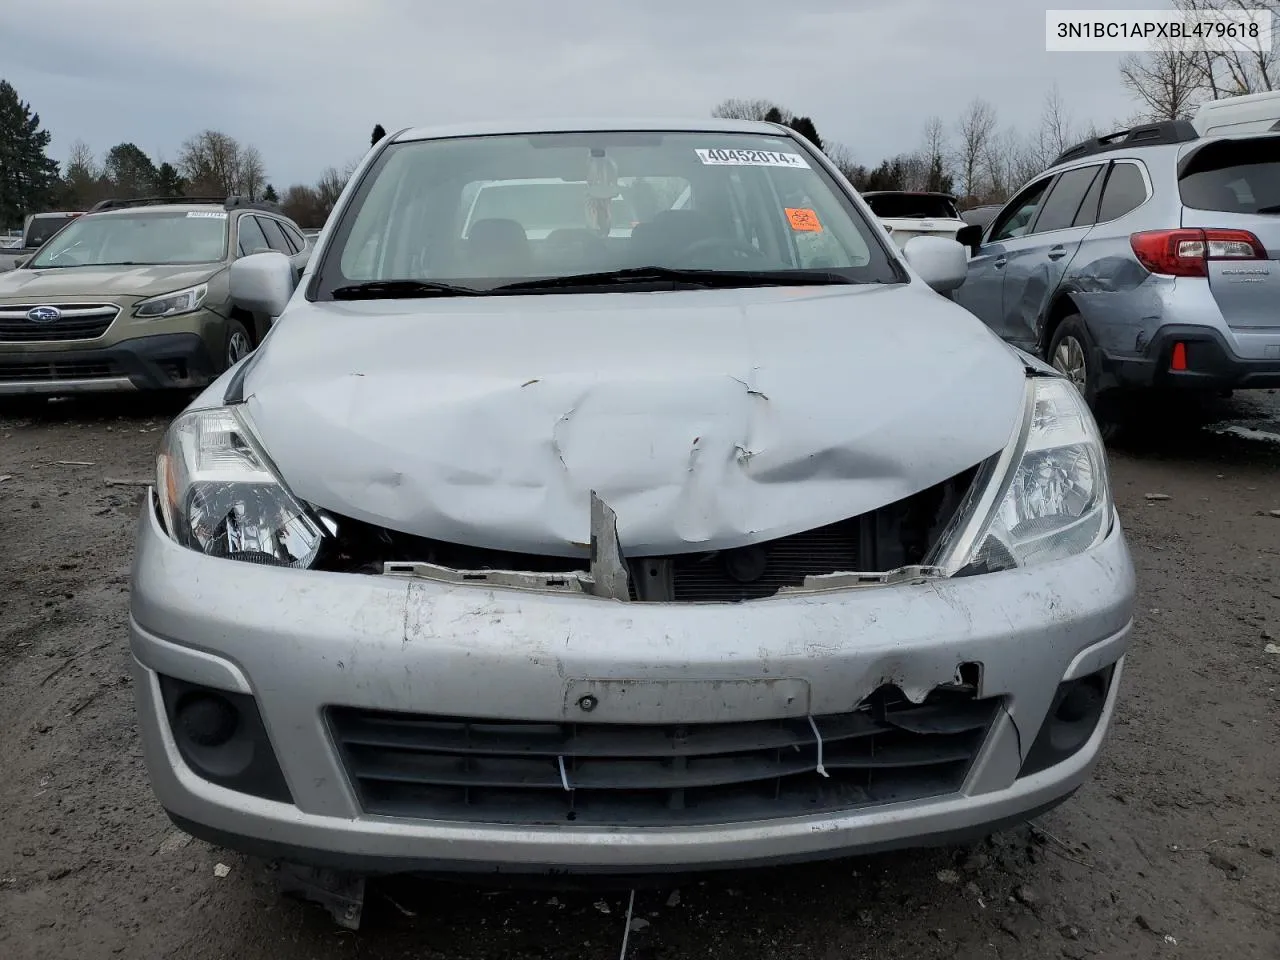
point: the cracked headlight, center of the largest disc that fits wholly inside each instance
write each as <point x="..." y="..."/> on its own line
<point x="1050" y="496"/>
<point x="220" y="495"/>
<point x="172" y="304"/>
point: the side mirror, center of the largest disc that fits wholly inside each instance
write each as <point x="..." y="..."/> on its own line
<point x="22" y="264"/>
<point x="262" y="283"/>
<point x="970" y="236"/>
<point x="942" y="264"/>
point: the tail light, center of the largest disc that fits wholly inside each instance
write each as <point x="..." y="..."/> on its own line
<point x="1186" y="253"/>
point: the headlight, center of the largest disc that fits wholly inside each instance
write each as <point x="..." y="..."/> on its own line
<point x="220" y="495"/>
<point x="1051" y="496"/>
<point x="172" y="304"/>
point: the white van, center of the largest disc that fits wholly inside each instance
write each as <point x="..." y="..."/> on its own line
<point x="1248" y="114"/>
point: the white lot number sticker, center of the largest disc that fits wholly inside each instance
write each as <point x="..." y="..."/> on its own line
<point x="718" y="156"/>
<point x="206" y="215"/>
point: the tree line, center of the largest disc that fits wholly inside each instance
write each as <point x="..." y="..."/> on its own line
<point x="974" y="158"/>
<point x="209" y="164"/>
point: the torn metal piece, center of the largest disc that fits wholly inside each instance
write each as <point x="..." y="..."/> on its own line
<point x="817" y="735"/>
<point x="512" y="579"/>
<point x="338" y="892"/>
<point x="846" y="580"/>
<point x="564" y="777"/>
<point x="608" y="567"/>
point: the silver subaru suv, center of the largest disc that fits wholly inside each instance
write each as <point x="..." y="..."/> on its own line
<point x="1143" y="259"/>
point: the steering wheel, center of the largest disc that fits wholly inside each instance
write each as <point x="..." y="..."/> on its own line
<point x="737" y="249"/>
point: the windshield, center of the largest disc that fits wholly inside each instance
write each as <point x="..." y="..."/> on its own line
<point x="912" y="206"/>
<point x="484" y="212"/>
<point x="168" y="237"/>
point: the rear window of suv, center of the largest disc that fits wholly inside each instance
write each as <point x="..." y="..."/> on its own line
<point x="1233" y="176"/>
<point x="912" y="206"/>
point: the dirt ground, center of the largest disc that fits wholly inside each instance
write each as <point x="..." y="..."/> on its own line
<point x="1170" y="851"/>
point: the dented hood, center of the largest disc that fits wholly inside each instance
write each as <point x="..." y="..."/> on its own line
<point x="704" y="419"/>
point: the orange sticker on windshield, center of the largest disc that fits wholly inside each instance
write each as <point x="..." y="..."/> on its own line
<point x="804" y="219"/>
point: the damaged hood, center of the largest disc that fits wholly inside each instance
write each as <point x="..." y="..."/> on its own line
<point x="704" y="419"/>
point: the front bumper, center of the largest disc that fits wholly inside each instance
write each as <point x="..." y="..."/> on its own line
<point x="300" y="641"/>
<point x="161" y="361"/>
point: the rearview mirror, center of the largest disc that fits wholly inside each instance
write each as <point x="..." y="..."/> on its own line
<point x="262" y="283"/>
<point x="970" y="236"/>
<point x="941" y="263"/>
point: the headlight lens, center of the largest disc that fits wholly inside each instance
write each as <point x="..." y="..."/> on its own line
<point x="1055" y="501"/>
<point x="172" y="304"/>
<point x="219" y="494"/>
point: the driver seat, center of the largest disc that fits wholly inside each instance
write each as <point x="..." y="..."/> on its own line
<point x="655" y="242"/>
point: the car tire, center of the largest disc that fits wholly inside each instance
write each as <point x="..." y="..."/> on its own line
<point x="238" y="345"/>
<point x="1071" y="353"/>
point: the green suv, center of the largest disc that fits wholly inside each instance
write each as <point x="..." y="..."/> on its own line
<point x="134" y="296"/>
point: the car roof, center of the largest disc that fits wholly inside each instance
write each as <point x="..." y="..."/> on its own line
<point x="589" y="125"/>
<point x="168" y="208"/>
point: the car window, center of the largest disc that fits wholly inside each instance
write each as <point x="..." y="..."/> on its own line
<point x="1234" y="176"/>
<point x="484" y="211"/>
<point x="912" y="206"/>
<point x="1124" y="191"/>
<point x="251" y="237"/>
<point x="275" y="236"/>
<point x="42" y="228"/>
<point x="295" y="237"/>
<point x="1087" y="215"/>
<point x="1063" y="202"/>
<point x="152" y="237"/>
<point x="1017" y="216"/>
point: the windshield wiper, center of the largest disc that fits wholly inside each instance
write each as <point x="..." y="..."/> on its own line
<point x="695" y="278"/>
<point x="1275" y="208"/>
<point x="402" y="290"/>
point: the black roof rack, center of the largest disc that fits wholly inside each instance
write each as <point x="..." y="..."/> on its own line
<point x="228" y="203"/>
<point x="1147" y="135"/>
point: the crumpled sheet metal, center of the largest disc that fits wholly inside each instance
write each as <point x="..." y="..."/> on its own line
<point x="705" y="420"/>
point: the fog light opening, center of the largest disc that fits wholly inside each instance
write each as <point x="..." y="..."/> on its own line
<point x="1070" y="722"/>
<point x="207" y="719"/>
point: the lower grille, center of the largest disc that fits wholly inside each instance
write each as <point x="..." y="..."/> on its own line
<point x="75" y="321"/>
<point x="484" y="771"/>
<point x="59" y="370"/>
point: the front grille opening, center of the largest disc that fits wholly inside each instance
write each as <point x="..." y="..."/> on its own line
<point x="58" y="370"/>
<point x="900" y="534"/>
<point x="78" y="321"/>
<point x="887" y="750"/>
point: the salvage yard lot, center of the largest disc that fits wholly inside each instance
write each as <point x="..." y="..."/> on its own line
<point x="1168" y="851"/>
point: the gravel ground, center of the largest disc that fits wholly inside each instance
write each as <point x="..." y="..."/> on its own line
<point x="1168" y="852"/>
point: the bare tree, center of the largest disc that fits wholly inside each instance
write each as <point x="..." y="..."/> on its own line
<point x="210" y="163"/>
<point x="737" y="108"/>
<point x="1230" y="73"/>
<point x="844" y="161"/>
<point x="1167" y="81"/>
<point x="252" y="177"/>
<point x="976" y="128"/>
<point x="83" y="179"/>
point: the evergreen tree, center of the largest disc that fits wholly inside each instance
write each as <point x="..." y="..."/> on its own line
<point x="28" y="176"/>
<point x="168" y="182"/>
<point x="130" y="170"/>
<point x="269" y="195"/>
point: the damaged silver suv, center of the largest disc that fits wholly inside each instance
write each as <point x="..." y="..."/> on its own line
<point x="714" y="538"/>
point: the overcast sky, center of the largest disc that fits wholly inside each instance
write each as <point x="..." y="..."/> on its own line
<point x="306" y="80"/>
